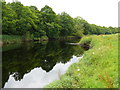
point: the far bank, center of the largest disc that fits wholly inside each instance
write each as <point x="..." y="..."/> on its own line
<point x="9" y="39"/>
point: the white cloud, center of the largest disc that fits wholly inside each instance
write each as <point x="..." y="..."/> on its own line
<point x="100" y="12"/>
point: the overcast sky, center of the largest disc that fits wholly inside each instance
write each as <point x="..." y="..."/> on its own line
<point x="99" y="12"/>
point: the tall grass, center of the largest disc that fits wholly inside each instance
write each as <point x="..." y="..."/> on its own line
<point x="11" y="39"/>
<point x="97" y="69"/>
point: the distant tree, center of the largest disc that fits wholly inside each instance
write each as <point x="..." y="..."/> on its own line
<point x="78" y="27"/>
<point x="87" y="28"/>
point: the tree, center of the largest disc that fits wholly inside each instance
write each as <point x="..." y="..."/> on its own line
<point x="49" y="24"/>
<point x="67" y="24"/>
<point x="47" y="15"/>
<point x="53" y="30"/>
<point x="26" y="19"/>
<point x="8" y="19"/>
<point x="78" y="27"/>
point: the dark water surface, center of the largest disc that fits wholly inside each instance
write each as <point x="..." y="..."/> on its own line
<point x="34" y="65"/>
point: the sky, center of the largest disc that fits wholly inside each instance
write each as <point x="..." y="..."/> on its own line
<point x="99" y="12"/>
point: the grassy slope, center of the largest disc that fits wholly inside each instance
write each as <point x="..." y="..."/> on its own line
<point x="97" y="69"/>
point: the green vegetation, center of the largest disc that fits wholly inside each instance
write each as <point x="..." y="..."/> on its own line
<point x="97" y="69"/>
<point x="34" y="24"/>
<point x="11" y="39"/>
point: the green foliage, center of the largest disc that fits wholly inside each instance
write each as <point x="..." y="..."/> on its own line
<point x="53" y="30"/>
<point x="47" y="15"/>
<point x="67" y="24"/>
<point x="49" y="22"/>
<point x="27" y="36"/>
<point x="11" y="39"/>
<point x="8" y="21"/>
<point x="78" y="27"/>
<point x="44" y="38"/>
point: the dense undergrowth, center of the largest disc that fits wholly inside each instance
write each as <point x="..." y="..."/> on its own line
<point x="97" y="69"/>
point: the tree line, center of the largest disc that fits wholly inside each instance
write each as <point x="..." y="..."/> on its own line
<point x="18" y="19"/>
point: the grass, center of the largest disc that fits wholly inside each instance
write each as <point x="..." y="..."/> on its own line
<point x="11" y="39"/>
<point x="97" y="69"/>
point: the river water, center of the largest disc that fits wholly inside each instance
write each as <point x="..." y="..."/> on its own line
<point x="34" y="65"/>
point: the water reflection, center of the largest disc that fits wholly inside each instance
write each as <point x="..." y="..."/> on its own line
<point x="38" y="78"/>
<point x="35" y="64"/>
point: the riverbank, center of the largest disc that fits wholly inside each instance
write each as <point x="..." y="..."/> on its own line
<point x="8" y="39"/>
<point x="97" y="69"/>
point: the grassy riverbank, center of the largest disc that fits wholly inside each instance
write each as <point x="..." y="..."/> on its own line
<point x="6" y="39"/>
<point x="97" y="69"/>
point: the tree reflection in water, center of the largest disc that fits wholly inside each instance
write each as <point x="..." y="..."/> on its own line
<point x="28" y="56"/>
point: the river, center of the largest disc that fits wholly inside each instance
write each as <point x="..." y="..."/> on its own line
<point x="34" y="65"/>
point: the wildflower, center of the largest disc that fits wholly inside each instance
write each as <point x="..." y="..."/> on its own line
<point x="93" y="53"/>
